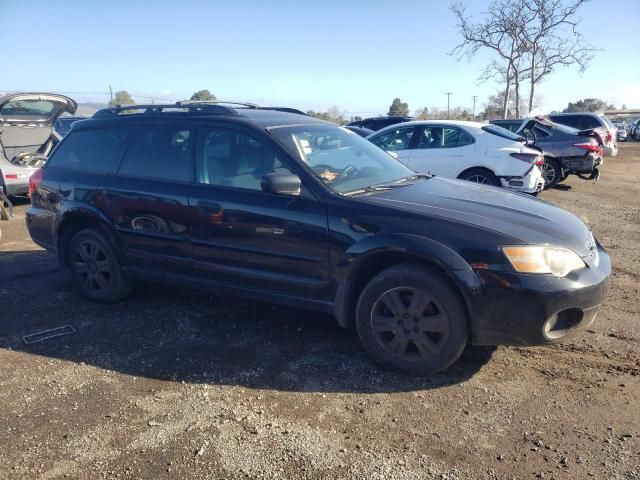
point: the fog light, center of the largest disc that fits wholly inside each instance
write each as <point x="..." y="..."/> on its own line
<point x="561" y="323"/>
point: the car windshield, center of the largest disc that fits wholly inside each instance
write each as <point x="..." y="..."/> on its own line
<point x="340" y="158"/>
<point x="503" y="132"/>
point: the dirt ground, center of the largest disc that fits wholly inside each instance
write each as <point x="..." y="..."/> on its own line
<point x="176" y="384"/>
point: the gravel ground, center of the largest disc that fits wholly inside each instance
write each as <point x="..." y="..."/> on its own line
<point x="180" y="384"/>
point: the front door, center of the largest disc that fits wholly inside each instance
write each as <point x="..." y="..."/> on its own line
<point x="398" y="141"/>
<point x="246" y="237"/>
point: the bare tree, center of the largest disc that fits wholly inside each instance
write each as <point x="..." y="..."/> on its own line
<point x="550" y="39"/>
<point x="499" y="31"/>
<point x="530" y="37"/>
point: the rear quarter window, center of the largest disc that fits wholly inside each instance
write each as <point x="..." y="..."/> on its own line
<point x="96" y="150"/>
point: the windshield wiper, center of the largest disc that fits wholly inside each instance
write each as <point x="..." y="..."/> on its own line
<point x="403" y="182"/>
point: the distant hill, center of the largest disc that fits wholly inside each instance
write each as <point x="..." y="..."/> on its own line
<point x="89" y="108"/>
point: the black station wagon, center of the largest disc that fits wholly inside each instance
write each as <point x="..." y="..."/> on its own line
<point x="287" y="208"/>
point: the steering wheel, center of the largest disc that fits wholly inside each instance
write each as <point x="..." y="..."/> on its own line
<point x="348" y="172"/>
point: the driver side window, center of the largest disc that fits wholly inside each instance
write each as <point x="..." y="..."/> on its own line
<point x="234" y="159"/>
<point x="396" y="139"/>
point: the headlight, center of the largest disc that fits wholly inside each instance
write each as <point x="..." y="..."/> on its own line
<point x="557" y="261"/>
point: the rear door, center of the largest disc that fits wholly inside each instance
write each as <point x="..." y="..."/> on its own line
<point x="244" y="237"/>
<point x="398" y="141"/>
<point x="444" y="150"/>
<point x="148" y="198"/>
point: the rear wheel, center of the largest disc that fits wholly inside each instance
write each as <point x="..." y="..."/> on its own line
<point x="480" y="175"/>
<point x="95" y="268"/>
<point x="410" y="319"/>
<point x="551" y="172"/>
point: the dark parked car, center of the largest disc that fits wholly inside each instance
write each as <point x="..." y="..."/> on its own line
<point x="590" y="121"/>
<point x="363" y="132"/>
<point x="273" y="206"/>
<point x="567" y="150"/>
<point x="63" y="124"/>
<point x="376" y="123"/>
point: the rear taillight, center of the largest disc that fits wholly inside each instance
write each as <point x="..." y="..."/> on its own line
<point x="11" y="176"/>
<point x="609" y="137"/>
<point x="588" y="146"/>
<point x="35" y="180"/>
<point x="529" y="158"/>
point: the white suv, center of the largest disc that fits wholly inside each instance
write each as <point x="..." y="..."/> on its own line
<point x="472" y="151"/>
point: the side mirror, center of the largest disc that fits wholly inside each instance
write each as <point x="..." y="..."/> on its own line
<point x="281" y="183"/>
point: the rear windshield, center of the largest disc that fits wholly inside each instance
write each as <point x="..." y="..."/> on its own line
<point x="565" y="128"/>
<point x="607" y="121"/>
<point x="502" y="132"/>
<point x="96" y="151"/>
<point x="27" y="108"/>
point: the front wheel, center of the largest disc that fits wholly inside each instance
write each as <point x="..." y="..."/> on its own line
<point x="481" y="176"/>
<point x="410" y="319"/>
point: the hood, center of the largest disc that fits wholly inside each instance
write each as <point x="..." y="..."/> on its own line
<point x="519" y="216"/>
<point x="41" y="108"/>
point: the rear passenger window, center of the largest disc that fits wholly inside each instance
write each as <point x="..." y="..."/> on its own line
<point x="94" y="151"/>
<point x="159" y="151"/>
<point x="454" y="137"/>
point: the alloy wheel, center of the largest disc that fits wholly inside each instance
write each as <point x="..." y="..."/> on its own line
<point x="409" y="324"/>
<point x="92" y="267"/>
<point x="479" y="179"/>
<point x="548" y="173"/>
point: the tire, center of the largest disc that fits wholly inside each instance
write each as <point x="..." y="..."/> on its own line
<point x="481" y="176"/>
<point x="95" y="269"/>
<point x="421" y="339"/>
<point x="551" y="173"/>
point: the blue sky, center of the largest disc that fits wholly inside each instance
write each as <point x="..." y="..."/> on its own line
<point x="310" y="55"/>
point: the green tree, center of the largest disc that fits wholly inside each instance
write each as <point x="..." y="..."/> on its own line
<point x="121" y="97"/>
<point x="586" y="105"/>
<point x="203" y="95"/>
<point x="398" y="108"/>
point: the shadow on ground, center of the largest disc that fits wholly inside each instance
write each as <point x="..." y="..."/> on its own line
<point x="175" y="334"/>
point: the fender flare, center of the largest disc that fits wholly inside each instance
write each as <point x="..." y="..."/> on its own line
<point x="87" y="213"/>
<point x="431" y="251"/>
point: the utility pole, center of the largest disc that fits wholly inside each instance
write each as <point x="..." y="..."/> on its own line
<point x="448" y="94"/>
<point x="475" y="97"/>
<point x="110" y="93"/>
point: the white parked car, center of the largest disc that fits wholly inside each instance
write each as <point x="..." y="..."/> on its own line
<point x="472" y="151"/>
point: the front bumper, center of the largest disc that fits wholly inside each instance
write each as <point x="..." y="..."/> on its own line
<point x="521" y="309"/>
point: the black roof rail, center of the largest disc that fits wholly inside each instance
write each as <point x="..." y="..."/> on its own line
<point x="216" y="102"/>
<point x="207" y="106"/>
<point x="283" y="109"/>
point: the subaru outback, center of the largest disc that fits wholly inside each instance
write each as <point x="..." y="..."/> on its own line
<point x="290" y="209"/>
